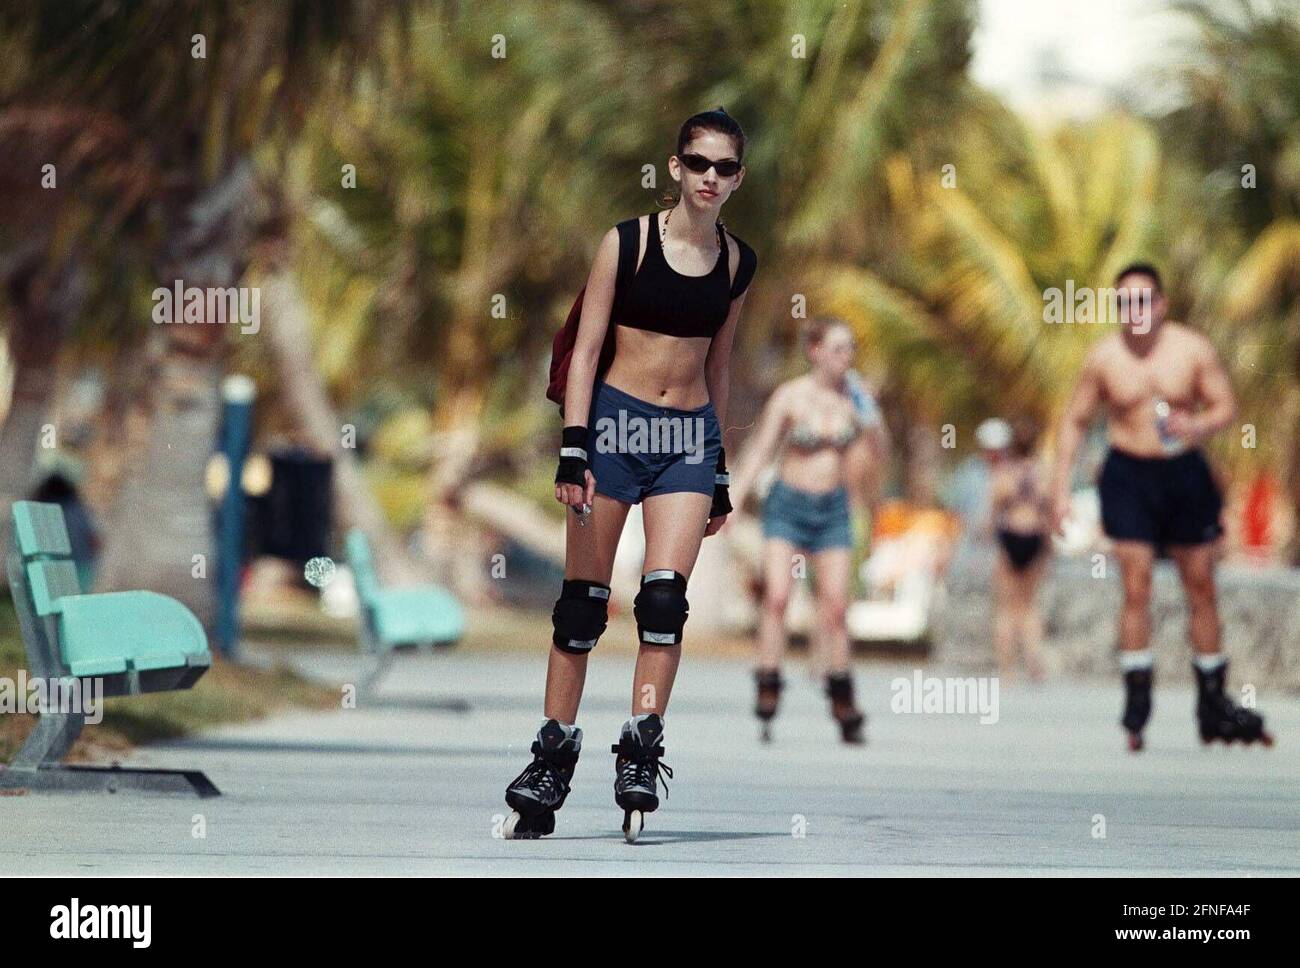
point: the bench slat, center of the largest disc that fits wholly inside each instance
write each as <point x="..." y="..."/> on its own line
<point x="417" y="615"/>
<point x="41" y="530"/>
<point x="50" y="581"/>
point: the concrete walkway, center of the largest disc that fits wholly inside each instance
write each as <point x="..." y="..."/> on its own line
<point x="414" y="785"/>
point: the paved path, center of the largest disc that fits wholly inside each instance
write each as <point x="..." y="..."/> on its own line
<point x="402" y="788"/>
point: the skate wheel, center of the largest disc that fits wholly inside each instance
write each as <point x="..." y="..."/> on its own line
<point x="765" y="734"/>
<point x="508" y="828"/>
<point x="1266" y="739"/>
<point x="1134" y="742"/>
<point x="633" y="821"/>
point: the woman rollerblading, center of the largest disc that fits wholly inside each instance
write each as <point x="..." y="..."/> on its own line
<point x="641" y="373"/>
<point x="637" y="771"/>
<point x="831" y="442"/>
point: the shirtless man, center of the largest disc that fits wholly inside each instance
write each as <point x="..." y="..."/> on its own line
<point x="1164" y="391"/>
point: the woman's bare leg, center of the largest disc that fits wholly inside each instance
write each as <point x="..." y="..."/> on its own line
<point x="778" y="581"/>
<point x="831" y="571"/>
<point x="1030" y="624"/>
<point x="674" y="528"/>
<point x="1004" y="615"/>
<point x="589" y="555"/>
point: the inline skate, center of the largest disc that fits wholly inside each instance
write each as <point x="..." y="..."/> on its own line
<point x="637" y="771"/>
<point x="540" y="790"/>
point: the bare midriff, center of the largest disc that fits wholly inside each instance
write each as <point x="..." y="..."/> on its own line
<point x="815" y="470"/>
<point x="660" y="369"/>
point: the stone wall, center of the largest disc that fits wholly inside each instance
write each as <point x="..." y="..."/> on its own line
<point x="1259" y="609"/>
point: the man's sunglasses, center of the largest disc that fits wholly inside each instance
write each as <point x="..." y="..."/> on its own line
<point x="699" y="164"/>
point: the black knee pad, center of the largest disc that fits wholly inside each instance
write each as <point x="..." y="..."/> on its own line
<point x="661" y="608"/>
<point x="580" y="615"/>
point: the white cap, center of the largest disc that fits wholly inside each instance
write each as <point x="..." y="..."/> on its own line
<point x="993" y="434"/>
<point x="238" y="388"/>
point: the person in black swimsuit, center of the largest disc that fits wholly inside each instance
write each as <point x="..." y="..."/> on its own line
<point x="647" y="431"/>
<point x="1021" y="516"/>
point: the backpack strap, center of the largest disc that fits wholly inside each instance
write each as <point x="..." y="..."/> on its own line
<point x="629" y="241"/>
<point x="745" y="268"/>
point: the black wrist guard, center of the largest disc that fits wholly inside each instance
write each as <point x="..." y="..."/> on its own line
<point x="573" y="457"/>
<point x="721" y="488"/>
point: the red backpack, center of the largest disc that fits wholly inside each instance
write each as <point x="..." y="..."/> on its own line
<point x="629" y="242"/>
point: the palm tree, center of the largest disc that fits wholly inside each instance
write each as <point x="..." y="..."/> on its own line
<point x="56" y="220"/>
<point x="202" y="118"/>
<point x="1238" y="249"/>
<point x="474" y="175"/>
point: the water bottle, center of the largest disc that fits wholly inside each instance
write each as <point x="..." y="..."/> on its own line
<point x="1168" y="441"/>
<point x="864" y="404"/>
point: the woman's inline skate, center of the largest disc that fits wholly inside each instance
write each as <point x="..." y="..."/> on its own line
<point x="536" y="793"/>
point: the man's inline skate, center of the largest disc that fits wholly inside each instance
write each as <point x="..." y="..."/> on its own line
<point x="1219" y="717"/>
<point x="536" y="793"/>
<point x="1137" y="706"/>
<point x="637" y="771"/>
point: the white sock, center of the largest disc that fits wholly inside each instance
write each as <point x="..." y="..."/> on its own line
<point x="1129" y="661"/>
<point x="1208" y="663"/>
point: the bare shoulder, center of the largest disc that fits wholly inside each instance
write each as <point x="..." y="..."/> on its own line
<point x="788" y="392"/>
<point x="1102" y="353"/>
<point x="1191" y="340"/>
<point x="791" y="396"/>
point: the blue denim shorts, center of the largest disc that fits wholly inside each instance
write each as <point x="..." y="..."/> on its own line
<point x="813" y="522"/>
<point x="638" y="449"/>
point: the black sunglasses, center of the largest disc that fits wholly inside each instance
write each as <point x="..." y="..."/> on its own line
<point x="699" y="164"/>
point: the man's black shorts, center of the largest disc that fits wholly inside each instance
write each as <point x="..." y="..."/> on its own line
<point x="1159" y="500"/>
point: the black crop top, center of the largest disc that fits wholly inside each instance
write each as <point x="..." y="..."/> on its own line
<point x="662" y="300"/>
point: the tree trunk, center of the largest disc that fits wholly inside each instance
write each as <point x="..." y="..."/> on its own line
<point x="289" y="333"/>
<point x="457" y="444"/>
<point x="159" y="535"/>
<point x="33" y="349"/>
<point x="44" y="307"/>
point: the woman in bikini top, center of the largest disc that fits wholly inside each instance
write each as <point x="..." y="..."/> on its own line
<point x="819" y="425"/>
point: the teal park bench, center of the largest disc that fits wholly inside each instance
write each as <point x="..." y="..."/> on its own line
<point x="134" y="642"/>
<point x="398" y="618"/>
